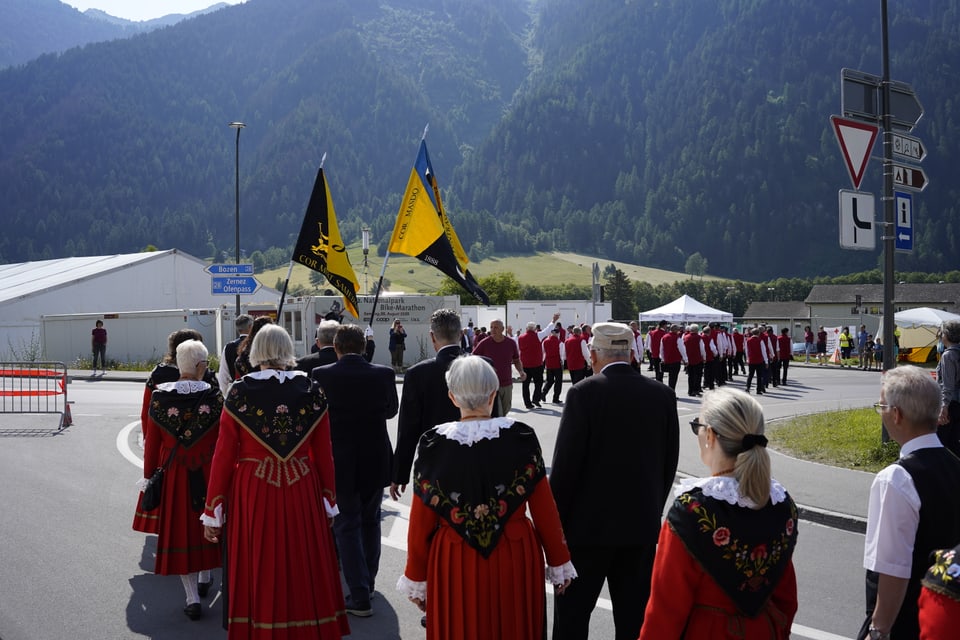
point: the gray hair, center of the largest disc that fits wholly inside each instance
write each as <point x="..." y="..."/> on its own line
<point x="914" y="392"/>
<point x="273" y="347"/>
<point x="732" y="414"/>
<point x="531" y="326"/>
<point x="326" y="331"/>
<point x="693" y="327"/>
<point x="445" y="325"/>
<point x="472" y="380"/>
<point x="243" y="323"/>
<point x="950" y="329"/>
<point x="190" y="353"/>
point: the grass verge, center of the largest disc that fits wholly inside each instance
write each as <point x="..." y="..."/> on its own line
<point x="849" y="439"/>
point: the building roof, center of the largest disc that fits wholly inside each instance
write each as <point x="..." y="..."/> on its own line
<point x="28" y="278"/>
<point x="777" y="310"/>
<point x="934" y="294"/>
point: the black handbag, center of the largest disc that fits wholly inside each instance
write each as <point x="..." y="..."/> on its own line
<point x="153" y="490"/>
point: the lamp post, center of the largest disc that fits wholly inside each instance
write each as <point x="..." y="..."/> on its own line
<point x="365" y="231"/>
<point x="237" y="126"/>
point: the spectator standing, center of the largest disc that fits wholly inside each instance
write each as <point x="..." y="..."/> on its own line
<point x="398" y="338"/>
<point x="862" y="338"/>
<point x="227" y="372"/>
<point x="909" y="515"/>
<point x="361" y="397"/>
<point x="475" y="561"/>
<point x="504" y="355"/>
<point x="948" y="377"/>
<point x="821" y="346"/>
<point x="808" y="345"/>
<point x="425" y="401"/>
<point x="846" y="346"/>
<point x="98" y="343"/>
<point x="605" y="448"/>
<point x="273" y="473"/>
<point x="553" y="357"/>
<point x="701" y="589"/>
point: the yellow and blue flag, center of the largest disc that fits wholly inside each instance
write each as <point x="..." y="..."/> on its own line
<point x="424" y="231"/>
<point x="320" y="247"/>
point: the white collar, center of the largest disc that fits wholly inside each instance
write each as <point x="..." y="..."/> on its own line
<point x="473" y="431"/>
<point x="282" y="376"/>
<point x="727" y="489"/>
<point x="184" y="386"/>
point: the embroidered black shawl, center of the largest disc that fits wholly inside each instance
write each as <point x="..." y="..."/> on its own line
<point x="279" y="415"/>
<point x="186" y="416"/>
<point x="745" y="551"/>
<point x="477" y="488"/>
<point x="944" y="576"/>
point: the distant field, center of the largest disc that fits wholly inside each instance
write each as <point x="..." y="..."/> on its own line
<point x="412" y="276"/>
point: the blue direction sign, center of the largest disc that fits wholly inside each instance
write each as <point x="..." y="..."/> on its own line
<point x="233" y="285"/>
<point x="903" y="203"/>
<point x="230" y="269"/>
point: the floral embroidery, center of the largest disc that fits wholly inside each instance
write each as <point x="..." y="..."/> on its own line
<point x="944" y="575"/>
<point x="752" y="563"/>
<point x="173" y="411"/>
<point x="280" y="419"/>
<point x="480" y="524"/>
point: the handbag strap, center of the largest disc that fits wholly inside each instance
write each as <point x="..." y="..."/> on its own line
<point x="170" y="457"/>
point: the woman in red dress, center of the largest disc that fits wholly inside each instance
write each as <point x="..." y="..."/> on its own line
<point x="475" y="562"/>
<point x="181" y="434"/>
<point x="940" y="596"/>
<point x="166" y="371"/>
<point x="724" y="565"/>
<point x="272" y="488"/>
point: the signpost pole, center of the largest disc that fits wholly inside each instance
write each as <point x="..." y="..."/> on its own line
<point x="889" y="231"/>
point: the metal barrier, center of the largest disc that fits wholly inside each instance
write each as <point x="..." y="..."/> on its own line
<point x="35" y="387"/>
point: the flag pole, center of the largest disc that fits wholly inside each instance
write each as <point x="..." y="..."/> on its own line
<point x="283" y="293"/>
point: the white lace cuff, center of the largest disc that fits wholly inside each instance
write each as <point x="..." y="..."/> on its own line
<point x="216" y="520"/>
<point x="331" y="509"/>
<point x="559" y="575"/>
<point x="142" y="484"/>
<point x="412" y="589"/>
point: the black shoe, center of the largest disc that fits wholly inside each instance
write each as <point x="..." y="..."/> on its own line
<point x="359" y="610"/>
<point x="193" y="611"/>
<point x="203" y="588"/>
<point x="558" y="402"/>
<point x="528" y="406"/>
<point x="423" y="621"/>
<point x="537" y="405"/>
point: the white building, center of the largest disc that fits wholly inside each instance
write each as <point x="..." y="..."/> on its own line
<point x="107" y="285"/>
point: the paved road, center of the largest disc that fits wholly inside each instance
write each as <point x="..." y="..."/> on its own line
<point x="71" y="567"/>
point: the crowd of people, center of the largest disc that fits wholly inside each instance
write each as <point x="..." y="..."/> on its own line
<point x="283" y="461"/>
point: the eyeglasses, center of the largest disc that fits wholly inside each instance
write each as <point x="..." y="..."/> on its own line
<point x="695" y="425"/>
<point x="880" y="406"/>
<point x="203" y="362"/>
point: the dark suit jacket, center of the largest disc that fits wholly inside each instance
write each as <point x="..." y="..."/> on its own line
<point x="424" y="404"/>
<point x="361" y="398"/>
<point x="308" y="363"/>
<point x="615" y="458"/>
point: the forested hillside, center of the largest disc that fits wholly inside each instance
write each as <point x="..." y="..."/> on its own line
<point x="639" y="131"/>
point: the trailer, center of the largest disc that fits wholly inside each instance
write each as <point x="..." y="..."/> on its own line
<point x="577" y="312"/>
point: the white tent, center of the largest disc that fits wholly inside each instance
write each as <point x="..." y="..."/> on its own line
<point x="923" y="317"/>
<point x="686" y="309"/>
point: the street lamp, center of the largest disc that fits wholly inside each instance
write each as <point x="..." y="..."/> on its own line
<point x="237" y="126"/>
<point x="366" y="251"/>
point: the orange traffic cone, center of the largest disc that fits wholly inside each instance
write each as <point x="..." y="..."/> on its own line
<point x="67" y="416"/>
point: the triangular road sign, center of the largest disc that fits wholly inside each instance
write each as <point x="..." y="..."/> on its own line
<point x="856" y="142"/>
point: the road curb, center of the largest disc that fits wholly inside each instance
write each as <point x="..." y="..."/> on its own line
<point x="833" y="519"/>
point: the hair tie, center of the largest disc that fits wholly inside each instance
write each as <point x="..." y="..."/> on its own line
<point x="752" y="439"/>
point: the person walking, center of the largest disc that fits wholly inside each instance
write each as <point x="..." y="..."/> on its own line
<point x="948" y="377"/>
<point x="578" y="354"/>
<point x="703" y="587"/>
<point x="673" y="355"/>
<point x="756" y="353"/>
<point x="696" y="355"/>
<point x="653" y="344"/>
<point x="475" y="561"/>
<point x="531" y="357"/>
<point x="362" y="397"/>
<point x="604" y="450"/>
<point x="909" y="513"/>
<point x="554" y="354"/>
<point x="504" y="355"/>
<point x="98" y="343"/>
<point x="180" y="435"/>
<point x="273" y="474"/>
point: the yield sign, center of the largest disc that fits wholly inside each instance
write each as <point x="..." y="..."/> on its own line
<point x="856" y="141"/>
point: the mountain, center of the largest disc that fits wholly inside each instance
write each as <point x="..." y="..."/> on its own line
<point x="642" y="131"/>
<point x="30" y="28"/>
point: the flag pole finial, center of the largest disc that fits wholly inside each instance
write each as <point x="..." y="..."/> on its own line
<point x="323" y="159"/>
<point x="425" y="129"/>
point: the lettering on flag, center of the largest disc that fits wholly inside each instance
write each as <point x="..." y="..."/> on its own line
<point x="320" y="247"/>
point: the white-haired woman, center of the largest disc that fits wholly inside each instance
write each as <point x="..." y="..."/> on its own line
<point x="272" y="487"/>
<point x="724" y="565"/>
<point x="180" y="433"/>
<point x="475" y="562"/>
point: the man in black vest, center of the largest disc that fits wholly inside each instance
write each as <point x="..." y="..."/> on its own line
<point x="226" y="374"/>
<point x="325" y="353"/>
<point x="914" y="495"/>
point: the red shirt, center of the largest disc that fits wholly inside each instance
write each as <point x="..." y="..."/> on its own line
<point x="502" y="353"/>
<point x="669" y="353"/>
<point x="551" y="352"/>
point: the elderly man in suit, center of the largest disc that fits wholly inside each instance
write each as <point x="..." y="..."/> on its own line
<point x="613" y="469"/>
<point x="325" y="353"/>
<point x="424" y="402"/>
<point x="362" y="397"/>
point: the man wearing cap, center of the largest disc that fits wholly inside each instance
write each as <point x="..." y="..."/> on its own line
<point x="606" y="450"/>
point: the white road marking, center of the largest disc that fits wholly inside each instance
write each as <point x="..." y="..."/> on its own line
<point x="123" y="445"/>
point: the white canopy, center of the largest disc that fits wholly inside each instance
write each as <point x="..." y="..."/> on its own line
<point x="923" y="317"/>
<point x="686" y="309"/>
